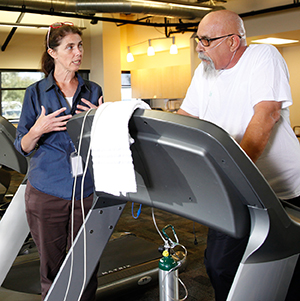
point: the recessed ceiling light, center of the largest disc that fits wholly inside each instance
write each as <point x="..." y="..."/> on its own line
<point x="275" y="41"/>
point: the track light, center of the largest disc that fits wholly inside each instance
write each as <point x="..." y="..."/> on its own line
<point x="173" y="48"/>
<point x="130" y="57"/>
<point x="150" y="50"/>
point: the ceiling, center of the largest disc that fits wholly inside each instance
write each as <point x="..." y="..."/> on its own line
<point x="245" y="8"/>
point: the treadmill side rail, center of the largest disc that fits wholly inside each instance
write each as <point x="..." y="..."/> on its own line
<point x="79" y="265"/>
<point x="13" y="231"/>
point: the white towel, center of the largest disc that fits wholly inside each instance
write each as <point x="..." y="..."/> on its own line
<point x="110" y="145"/>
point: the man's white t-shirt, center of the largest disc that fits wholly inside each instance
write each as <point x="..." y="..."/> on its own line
<point x="228" y="100"/>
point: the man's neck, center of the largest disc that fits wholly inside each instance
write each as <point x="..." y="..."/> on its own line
<point x="236" y="56"/>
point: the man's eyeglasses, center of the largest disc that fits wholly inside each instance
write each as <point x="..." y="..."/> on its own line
<point x="54" y="26"/>
<point x="206" y="41"/>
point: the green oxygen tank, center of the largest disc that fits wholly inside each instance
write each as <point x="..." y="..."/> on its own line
<point x="168" y="278"/>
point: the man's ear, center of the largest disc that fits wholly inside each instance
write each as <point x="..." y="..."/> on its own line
<point x="235" y="43"/>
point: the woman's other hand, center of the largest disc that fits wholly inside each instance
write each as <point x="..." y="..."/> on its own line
<point x="81" y="108"/>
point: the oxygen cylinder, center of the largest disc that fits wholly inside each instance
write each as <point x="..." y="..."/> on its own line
<point x="168" y="278"/>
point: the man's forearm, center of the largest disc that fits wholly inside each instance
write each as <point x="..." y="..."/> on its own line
<point x="259" y="129"/>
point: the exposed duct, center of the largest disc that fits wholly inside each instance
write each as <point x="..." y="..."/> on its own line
<point x="172" y="8"/>
<point x="87" y="9"/>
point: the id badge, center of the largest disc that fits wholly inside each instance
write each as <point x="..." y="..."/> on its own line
<point x="76" y="164"/>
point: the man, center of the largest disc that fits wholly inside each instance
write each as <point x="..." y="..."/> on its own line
<point x="245" y="90"/>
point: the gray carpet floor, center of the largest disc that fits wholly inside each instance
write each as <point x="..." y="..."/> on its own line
<point x="194" y="276"/>
<point x="191" y="235"/>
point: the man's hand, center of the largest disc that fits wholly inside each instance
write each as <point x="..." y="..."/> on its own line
<point x="182" y="112"/>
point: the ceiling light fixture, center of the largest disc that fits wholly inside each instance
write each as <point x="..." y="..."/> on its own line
<point x="150" y="50"/>
<point x="173" y="48"/>
<point x="275" y="41"/>
<point x="130" y="57"/>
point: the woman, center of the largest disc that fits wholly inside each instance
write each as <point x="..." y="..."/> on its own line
<point x="48" y="105"/>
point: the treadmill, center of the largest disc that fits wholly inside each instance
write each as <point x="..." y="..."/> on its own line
<point x="194" y="169"/>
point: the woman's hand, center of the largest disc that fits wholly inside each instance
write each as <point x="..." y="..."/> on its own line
<point x="44" y="124"/>
<point x="51" y="123"/>
<point x="81" y="108"/>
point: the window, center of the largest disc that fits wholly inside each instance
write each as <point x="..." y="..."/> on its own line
<point x="13" y="84"/>
<point x="126" y="93"/>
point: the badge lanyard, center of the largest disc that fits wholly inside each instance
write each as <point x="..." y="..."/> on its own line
<point x="75" y="158"/>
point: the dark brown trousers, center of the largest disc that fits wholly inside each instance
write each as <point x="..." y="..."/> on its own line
<point x="49" y="220"/>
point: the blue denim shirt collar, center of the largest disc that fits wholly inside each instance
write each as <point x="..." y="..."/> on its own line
<point x="51" y="82"/>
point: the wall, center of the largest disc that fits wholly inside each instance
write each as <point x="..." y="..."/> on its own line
<point x="23" y="52"/>
<point x="163" y="82"/>
<point x="106" y="60"/>
<point x="162" y="75"/>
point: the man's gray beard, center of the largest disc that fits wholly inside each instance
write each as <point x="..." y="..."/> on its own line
<point x="208" y="67"/>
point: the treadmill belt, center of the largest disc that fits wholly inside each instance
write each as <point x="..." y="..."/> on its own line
<point x="124" y="262"/>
